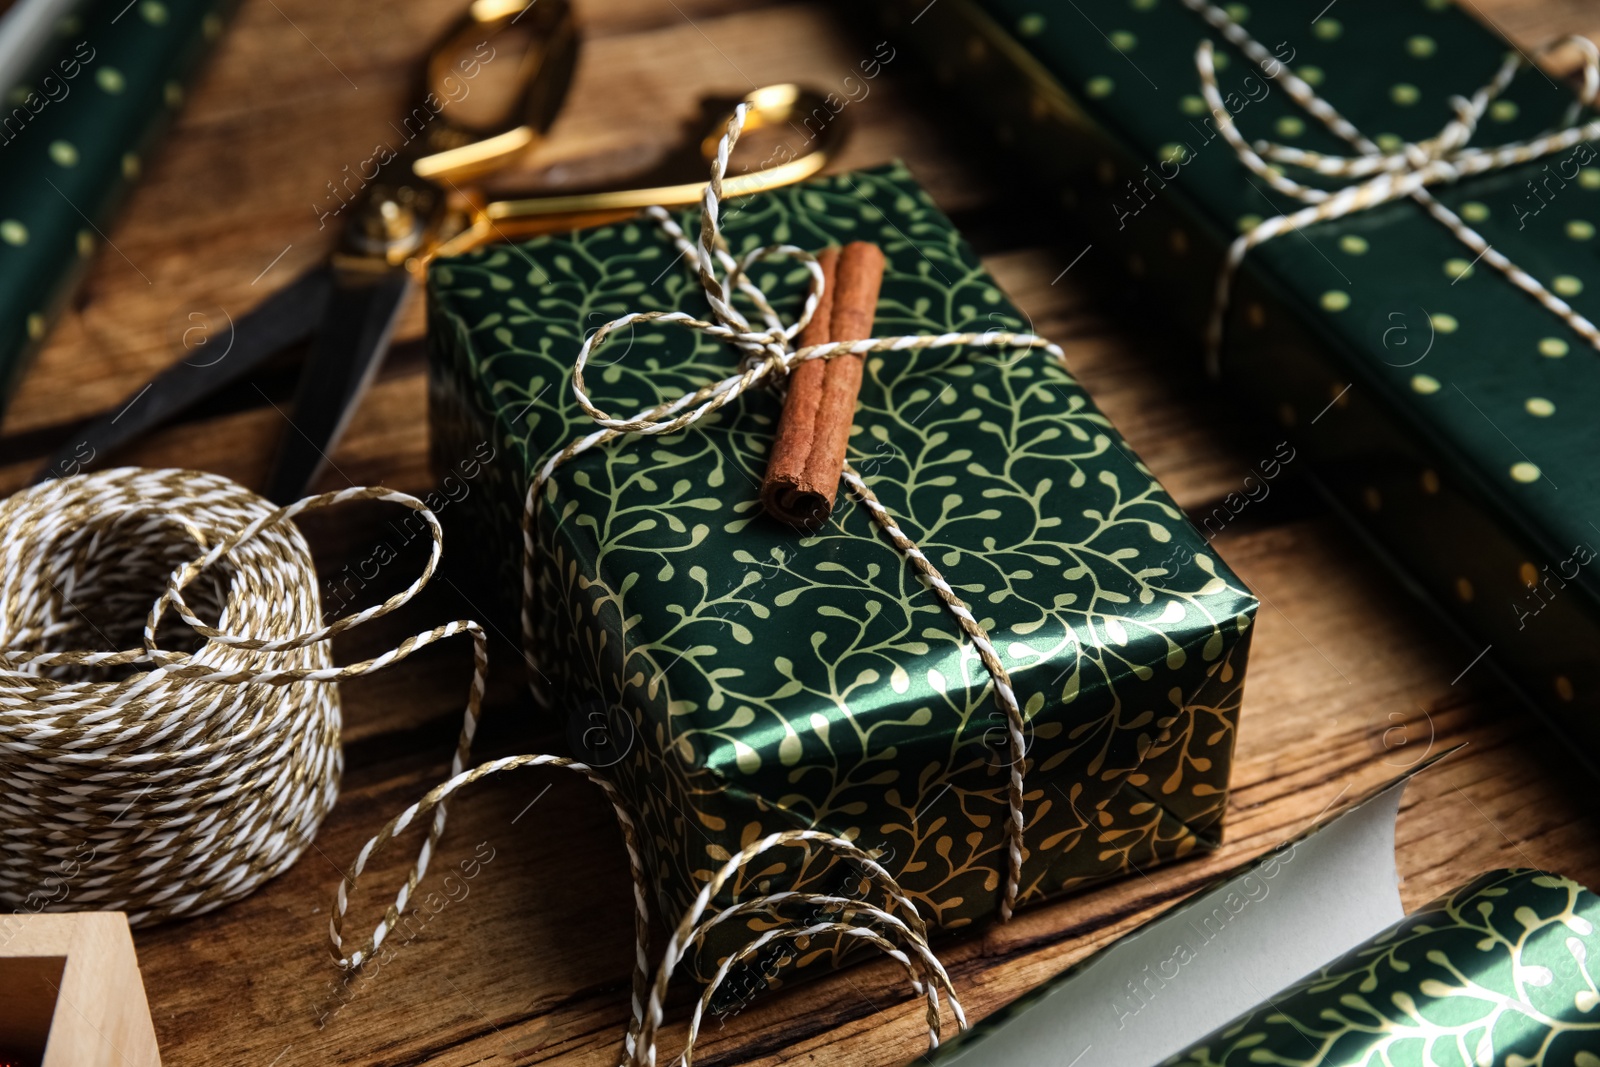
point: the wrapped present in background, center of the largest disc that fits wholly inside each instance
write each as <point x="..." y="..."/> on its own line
<point x="1451" y="975"/>
<point x="74" y="132"/>
<point x="1443" y="406"/>
<point x="738" y="678"/>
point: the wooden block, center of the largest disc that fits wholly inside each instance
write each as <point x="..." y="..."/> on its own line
<point x="72" y="994"/>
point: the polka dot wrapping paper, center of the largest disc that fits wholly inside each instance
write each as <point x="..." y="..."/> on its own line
<point x="736" y="678"/>
<point x="75" y="133"/>
<point x="1438" y="402"/>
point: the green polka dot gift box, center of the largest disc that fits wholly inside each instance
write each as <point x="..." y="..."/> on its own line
<point x="75" y="130"/>
<point x="735" y="678"/>
<point x="1379" y="225"/>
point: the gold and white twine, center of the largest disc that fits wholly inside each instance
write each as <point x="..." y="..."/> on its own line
<point x="893" y="925"/>
<point x="769" y="357"/>
<point x="167" y="781"/>
<point x="1379" y="177"/>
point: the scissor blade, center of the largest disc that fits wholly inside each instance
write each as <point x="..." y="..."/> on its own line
<point x="349" y="345"/>
<point x="282" y="319"/>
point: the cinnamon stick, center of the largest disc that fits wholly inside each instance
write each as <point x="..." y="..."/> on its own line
<point x="808" y="455"/>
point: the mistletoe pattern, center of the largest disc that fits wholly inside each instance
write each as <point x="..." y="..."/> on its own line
<point x="1498" y="972"/>
<point x="761" y="680"/>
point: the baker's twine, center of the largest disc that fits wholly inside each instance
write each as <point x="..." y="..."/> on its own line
<point x="166" y="782"/>
<point x="767" y="358"/>
<point x="1379" y="177"/>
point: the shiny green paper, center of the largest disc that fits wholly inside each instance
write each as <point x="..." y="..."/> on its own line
<point x="1501" y="971"/>
<point x="74" y="135"/>
<point x="1443" y="409"/>
<point x="738" y="678"/>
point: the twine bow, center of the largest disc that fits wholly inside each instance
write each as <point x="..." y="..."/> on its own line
<point x="767" y="357"/>
<point x="1379" y="177"/>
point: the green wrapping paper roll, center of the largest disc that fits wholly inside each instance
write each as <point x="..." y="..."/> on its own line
<point x="1305" y="957"/>
<point x="1446" y="411"/>
<point x="1502" y="971"/>
<point x="73" y="137"/>
<point x="28" y="32"/>
<point x="738" y="679"/>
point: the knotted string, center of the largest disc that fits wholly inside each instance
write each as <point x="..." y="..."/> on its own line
<point x="1379" y="177"/>
<point x="767" y="357"/>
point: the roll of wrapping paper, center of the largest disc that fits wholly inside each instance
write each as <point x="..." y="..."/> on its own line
<point x="27" y="30"/>
<point x="1502" y="970"/>
<point x="1304" y="957"/>
<point x="74" y="133"/>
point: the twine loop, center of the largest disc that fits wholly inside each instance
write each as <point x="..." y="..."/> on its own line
<point x="1375" y="176"/>
<point x="166" y="770"/>
<point x="899" y="933"/>
<point x="766" y="357"/>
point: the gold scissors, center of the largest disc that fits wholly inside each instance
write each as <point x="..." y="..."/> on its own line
<point x="422" y="201"/>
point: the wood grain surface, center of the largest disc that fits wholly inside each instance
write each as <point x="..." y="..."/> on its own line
<point x="530" y="965"/>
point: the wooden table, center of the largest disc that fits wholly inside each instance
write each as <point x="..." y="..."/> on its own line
<point x="531" y="964"/>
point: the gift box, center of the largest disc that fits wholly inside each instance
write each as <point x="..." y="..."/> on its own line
<point x="737" y="678"/>
<point x="1438" y="404"/>
<point x="74" y="134"/>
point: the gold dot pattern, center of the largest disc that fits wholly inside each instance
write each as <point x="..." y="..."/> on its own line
<point x="70" y="142"/>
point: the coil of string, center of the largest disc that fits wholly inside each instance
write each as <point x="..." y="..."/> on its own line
<point x="165" y="763"/>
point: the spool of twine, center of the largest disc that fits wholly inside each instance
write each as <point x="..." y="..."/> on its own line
<point x="169" y="722"/>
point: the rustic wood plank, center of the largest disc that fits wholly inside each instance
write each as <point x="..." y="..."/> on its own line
<point x="237" y="186"/>
<point x="1530" y="24"/>
<point x="530" y="964"/>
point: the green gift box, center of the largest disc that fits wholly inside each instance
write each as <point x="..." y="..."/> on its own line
<point x="737" y="678"/>
<point x="1442" y="408"/>
<point x="74" y="134"/>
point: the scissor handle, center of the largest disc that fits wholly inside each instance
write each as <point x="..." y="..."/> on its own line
<point x="769" y="105"/>
<point x="461" y="150"/>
